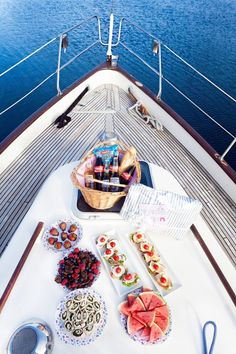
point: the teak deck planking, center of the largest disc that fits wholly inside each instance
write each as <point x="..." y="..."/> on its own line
<point x="21" y="181"/>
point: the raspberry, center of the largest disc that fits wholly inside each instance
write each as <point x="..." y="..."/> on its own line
<point x="82" y="266"/>
<point x="78" y="269"/>
<point x="64" y="282"/>
<point x="76" y="250"/>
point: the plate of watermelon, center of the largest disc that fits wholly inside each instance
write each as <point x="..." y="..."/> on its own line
<point x="145" y="316"/>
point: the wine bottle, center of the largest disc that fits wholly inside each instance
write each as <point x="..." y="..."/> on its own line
<point x="127" y="175"/>
<point x="106" y="178"/>
<point x="98" y="172"/>
<point x="89" y="183"/>
<point x="114" y="174"/>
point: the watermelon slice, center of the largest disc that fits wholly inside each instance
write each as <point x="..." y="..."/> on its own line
<point x="162" y="311"/>
<point x="145" y="317"/>
<point x="145" y="333"/>
<point x="146" y="298"/>
<point x="156" y="301"/>
<point x="162" y="318"/>
<point x="155" y="333"/>
<point x="137" y="305"/>
<point x="131" y="298"/>
<point x="124" y="308"/>
<point x="133" y="325"/>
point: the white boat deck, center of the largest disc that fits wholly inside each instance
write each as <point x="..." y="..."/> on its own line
<point x="21" y="181"/>
<point x="200" y="297"/>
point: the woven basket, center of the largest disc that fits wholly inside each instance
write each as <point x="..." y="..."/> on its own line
<point x="100" y="199"/>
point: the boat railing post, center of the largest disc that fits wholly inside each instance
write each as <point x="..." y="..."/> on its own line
<point x="156" y="49"/>
<point x="119" y="33"/>
<point x="109" y="52"/>
<point x="59" y="64"/>
<point x="99" y="31"/>
<point x="160" y="72"/>
<point x="228" y="148"/>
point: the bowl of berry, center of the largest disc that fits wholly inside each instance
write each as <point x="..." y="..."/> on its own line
<point x="78" y="269"/>
<point x="62" y="235"/>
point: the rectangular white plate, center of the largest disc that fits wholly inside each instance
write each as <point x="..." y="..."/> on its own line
<point x="119" y="287"/>
<point x="175" y="282"/>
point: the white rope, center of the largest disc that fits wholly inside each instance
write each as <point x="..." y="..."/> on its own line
<point x="27" y="94"/>
<point x="134" y="110"/>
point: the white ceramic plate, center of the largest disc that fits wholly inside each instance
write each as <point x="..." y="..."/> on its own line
<point x="175" y="282"/>
<point x="120" y="288"/>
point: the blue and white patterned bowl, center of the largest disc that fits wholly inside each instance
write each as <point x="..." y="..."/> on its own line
<point x="68" y="337"/>
<point x="65" y="254"/>
<point x="47" y="234"/>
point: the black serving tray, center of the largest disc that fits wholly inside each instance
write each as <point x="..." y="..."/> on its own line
<point x="146" y="179"/>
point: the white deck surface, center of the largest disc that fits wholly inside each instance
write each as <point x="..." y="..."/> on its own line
<point x="36" y="295"/>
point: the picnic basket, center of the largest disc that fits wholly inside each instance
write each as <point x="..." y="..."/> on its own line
<point x="99" y="199"/>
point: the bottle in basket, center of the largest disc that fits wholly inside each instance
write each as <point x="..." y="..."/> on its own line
<point x="106" y="178"/>
<point x="98" y="172"/>
<point x="115" y="175"/>
<point x="111" y="167"/>
<point x="111" y="164"/>
<point x="127" y="175"/>
<point x="89" y="183"/>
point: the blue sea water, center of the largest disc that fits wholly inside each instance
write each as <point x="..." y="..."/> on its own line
<point x="201" y="31"/>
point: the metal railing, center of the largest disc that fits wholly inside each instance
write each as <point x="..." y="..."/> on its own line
<point x="59" y="67"/>
<point x="161" y="77"/>
<point x="158" y="44"/>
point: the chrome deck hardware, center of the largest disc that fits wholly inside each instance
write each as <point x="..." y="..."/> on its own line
<point x="31" y="338"/>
